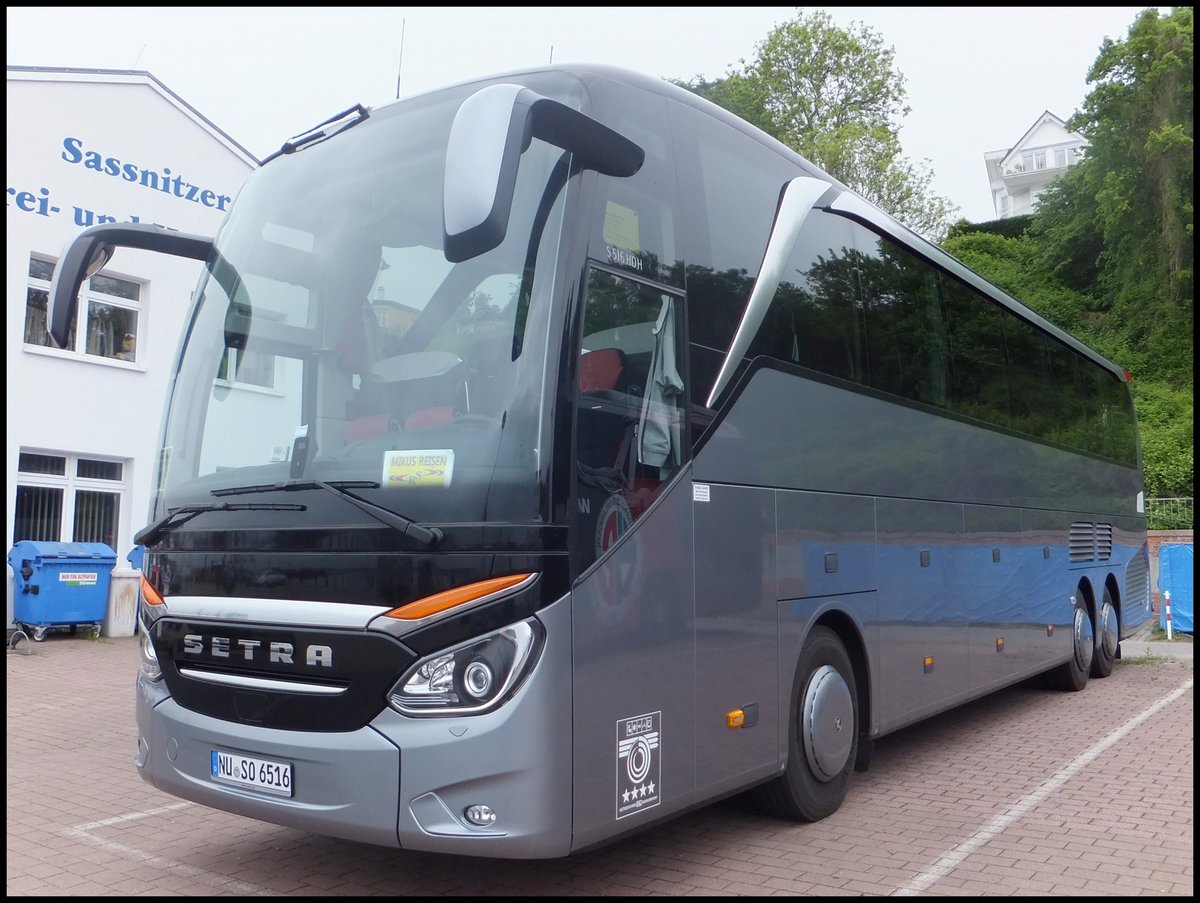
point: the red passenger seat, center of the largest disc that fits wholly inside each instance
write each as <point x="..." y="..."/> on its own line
<point x="435" y="416"/>
<point x="367" y="426"/>
<point x="600" y="369"/>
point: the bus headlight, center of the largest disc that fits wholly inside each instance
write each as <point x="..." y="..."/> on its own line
<point x="470" y="678"/>
<point x="149" y="658"/>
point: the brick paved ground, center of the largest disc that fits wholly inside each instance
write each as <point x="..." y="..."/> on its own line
<point x="1026" y="792"/>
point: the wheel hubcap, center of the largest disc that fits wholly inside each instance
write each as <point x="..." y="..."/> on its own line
<point x="1085" y="641"/>
<point x="828" y="724"/>
<point x="1108" y="630"/>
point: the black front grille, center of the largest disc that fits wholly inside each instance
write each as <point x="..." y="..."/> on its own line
<point x="290" y="678"/>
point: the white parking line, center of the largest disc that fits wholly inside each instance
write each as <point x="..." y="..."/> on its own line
<point x="951" y="860"/>
<point x="84" y="832"/>
<point x="131" y="816"/>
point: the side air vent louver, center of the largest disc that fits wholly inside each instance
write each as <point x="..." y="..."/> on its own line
<point x="1082" y="542"/>
<point x="1104" y="533"/>
<point x="1137" y="581"/>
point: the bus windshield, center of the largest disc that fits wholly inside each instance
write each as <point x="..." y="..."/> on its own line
<point x="333" y="341"/>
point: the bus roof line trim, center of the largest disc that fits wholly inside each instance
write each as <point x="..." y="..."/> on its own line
<point x="855" y="207"/>
<point x="799" y="197"/>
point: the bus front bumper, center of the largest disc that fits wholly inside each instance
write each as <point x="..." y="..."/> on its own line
<point x="399" y="781"/>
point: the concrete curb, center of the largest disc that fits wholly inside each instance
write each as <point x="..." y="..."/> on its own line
<point x="1141" y="647"/>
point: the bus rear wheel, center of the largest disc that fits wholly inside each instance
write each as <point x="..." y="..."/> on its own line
<point x="1108" y="631"/>
<point x="822" y="734"/>
<point x="1072" y="675"/>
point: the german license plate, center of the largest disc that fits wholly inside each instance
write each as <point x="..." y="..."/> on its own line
<point x="257" y="774"/>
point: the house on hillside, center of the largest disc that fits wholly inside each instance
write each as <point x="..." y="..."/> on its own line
<point x="1018" y="174"/>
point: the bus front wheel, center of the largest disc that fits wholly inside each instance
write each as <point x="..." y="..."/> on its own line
<point x="822" y="734"/>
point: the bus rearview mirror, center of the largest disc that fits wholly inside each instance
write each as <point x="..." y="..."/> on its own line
<point x="87" y="254"/>
<point x="490" y="131"/>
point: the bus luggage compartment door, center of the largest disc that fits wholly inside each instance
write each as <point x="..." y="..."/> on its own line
<point x="737" y="638"/>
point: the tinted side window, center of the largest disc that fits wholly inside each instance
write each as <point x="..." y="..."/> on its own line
<point x="907" y="349"/>
<point x="815" y="318"/>
<point x="1071" y="429"/>
<point x="1119" y="422"/>
<point x="1033" y="400"/>
<point x="980" y="368"/>
<point x="631" y="436"/>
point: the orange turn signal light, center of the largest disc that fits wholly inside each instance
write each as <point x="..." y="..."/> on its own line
<point x="149" y="593"/>
<point x="736" y="718"/>
<point x="451" y="598"/>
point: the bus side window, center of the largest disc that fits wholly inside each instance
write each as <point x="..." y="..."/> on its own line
<point x="815" y="318"/>
<point x="908" y="352"/>
<point x="630" y="435"/>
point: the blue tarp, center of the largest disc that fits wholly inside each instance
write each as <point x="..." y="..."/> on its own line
<point x="1175" y="576"/>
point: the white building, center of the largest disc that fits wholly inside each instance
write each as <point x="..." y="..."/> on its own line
<point x="84" y="147"/>
<point x="1018" y="174"/>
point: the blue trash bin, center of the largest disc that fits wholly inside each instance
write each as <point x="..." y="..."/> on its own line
<point x="60" y="584"/>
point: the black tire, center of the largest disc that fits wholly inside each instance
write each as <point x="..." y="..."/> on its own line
<point x="1072" y="675"/>
<point x="822" y="734"/>
<point x="1107" y="638"/>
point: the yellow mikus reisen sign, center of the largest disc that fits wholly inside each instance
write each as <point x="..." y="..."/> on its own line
<point x="419" y="467"/>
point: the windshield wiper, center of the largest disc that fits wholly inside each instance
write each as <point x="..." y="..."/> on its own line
<point x="429" y="536"/>
<point x="319" y="133"/>
<point x="177" y="517"/>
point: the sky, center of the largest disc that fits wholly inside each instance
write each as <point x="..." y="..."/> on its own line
<point x="976" y="77"/>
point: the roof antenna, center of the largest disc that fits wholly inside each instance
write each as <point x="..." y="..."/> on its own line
<point x="400" y="65"/>
<point x="139" y="57"/>
<point x="552" y="54"/>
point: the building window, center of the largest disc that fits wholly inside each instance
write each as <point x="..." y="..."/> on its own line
<point x="1039" y="159"/>
<point x="251" y="365"/>
<point x="247" y="368"/>
<point x="1004" y="205"/>
<point x="113" y="311"/>
<point x="1026" y="162"/>
<point x="1060" y="157"/>
<point x="67" y="498"/>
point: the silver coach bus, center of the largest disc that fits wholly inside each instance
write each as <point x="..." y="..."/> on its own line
<point x="550" y="455"/>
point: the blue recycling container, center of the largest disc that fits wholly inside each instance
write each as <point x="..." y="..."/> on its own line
<point x="59" y="584"/>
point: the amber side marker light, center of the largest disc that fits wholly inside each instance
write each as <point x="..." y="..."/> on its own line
<point x="149" y="593"/>
<point x="460" y="595"/>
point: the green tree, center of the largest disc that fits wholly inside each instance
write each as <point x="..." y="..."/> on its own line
<point x="833" y="95"/>
<point x="1119" y="227"/>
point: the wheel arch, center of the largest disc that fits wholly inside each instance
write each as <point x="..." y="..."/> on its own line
<point x="1089" y="596"/>
<point x="1114" y="591"/>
